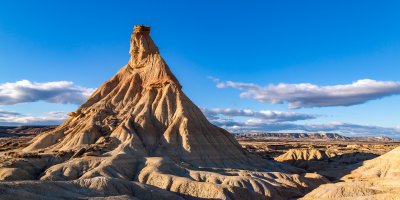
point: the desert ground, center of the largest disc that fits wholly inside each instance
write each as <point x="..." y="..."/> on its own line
<point x="331" y="158"/>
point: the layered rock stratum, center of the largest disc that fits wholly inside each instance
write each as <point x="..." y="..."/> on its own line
<point x="139" y="136"/>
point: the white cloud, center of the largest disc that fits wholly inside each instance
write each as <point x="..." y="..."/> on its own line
<point x="265" y="115"/>
<point x="63" y="92"/>
<point x="214" y="79"/>
<point x="15" y="119"/>
<point x="310" y="95"/>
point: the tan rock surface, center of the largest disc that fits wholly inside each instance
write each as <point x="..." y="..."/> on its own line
<point x="303" y="154"/>
<point x="378" y="178"/>
<point x="331" y="159"/>
<point x="82" y="188"/>
<point x="140" y="127"/>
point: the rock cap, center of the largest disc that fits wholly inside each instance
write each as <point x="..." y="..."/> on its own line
<point x="141" y="29"/>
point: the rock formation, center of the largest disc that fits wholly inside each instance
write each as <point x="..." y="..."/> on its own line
<point x="302" y="154"/>
<point x="375" y="179"/>
<point x="331" y="163"/>
<point x="140" y="131"/>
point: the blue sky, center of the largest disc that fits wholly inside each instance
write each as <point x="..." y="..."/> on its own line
<point x="323" y="43"/>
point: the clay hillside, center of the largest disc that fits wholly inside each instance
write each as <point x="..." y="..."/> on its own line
<point x="375" y="179"/>
<point x="140" y="137"/>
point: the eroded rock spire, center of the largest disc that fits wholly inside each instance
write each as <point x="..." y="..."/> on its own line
<point x="141" y="46"/>
<point x="139" y="126"/>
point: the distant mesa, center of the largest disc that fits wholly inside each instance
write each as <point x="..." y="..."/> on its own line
<point x="310" y="136"/>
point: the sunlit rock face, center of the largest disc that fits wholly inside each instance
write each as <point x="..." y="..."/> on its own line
<point x="378" y="178"/>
